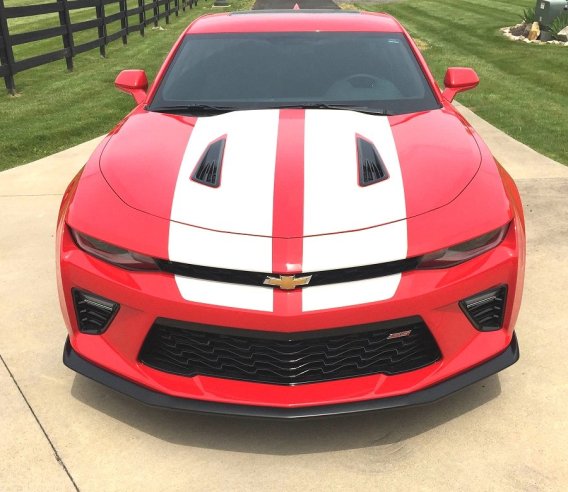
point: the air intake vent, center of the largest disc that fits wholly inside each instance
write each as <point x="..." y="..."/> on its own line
<point x="486" y="310"/>
<point x="94" y="313"/>
<point x="371" y="167"/>
<point x="208" y="169"/>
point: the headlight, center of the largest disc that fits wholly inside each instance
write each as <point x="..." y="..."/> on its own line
<point x="113" y="254"/>
<point x="459" y="253"/>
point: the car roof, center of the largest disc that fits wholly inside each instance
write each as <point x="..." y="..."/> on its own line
<point x="294" y="21"/>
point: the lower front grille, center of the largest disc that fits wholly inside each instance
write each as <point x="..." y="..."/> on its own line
<point x="190" y="349"/>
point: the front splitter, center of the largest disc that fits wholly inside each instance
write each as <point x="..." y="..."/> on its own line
<point x="422" y="397"/>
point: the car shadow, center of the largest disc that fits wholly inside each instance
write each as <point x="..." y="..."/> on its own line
<point x="274" y="437"/>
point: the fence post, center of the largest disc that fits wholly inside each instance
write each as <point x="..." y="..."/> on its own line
<point x="123" y="21"/>
<point x="65" y="21"/>
<point x="100" y="9"/>
<point x="141" y="17"/>
<point x="6" y="53"/>
<point x="156" y="12"/>
<point x="176" y="6"/>
<point x="167" y="7"/>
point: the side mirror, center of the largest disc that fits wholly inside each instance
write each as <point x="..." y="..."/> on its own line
<point x="133" y="82"/>
<point x="459" y="79"/>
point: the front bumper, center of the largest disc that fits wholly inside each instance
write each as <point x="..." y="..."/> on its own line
<point x="428" y="395"/>
<point x="114" y="357"/>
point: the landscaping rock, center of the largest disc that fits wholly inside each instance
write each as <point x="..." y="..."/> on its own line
<point x="510" y="32"/>
<point x="534" y="32"/>
<point x="519" y="29"/>
<point x="563" y="35"/>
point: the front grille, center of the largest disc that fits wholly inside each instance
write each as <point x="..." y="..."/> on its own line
<point x="324" y="277"/>
<point x="190" y="349"/>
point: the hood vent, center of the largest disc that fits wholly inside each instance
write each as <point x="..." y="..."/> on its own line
<point x="208" y="169"/>
<point x="371" y="167"/>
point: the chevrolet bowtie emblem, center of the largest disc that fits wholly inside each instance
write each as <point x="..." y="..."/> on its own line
<point x="287" y="282"/>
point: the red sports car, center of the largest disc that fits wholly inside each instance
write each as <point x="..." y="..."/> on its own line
<point x="294" y="221"/>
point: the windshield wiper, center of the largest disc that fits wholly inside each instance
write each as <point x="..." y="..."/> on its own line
<point x="194" y="109"/>
<point x="208" y="109"/>
<point x="346" y="107"/>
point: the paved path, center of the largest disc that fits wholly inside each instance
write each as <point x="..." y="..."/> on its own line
<point x="59" y="430"/>
<point x="289" y="4"/>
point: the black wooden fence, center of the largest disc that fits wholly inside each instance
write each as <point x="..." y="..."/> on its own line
<point x="134" y="19"/>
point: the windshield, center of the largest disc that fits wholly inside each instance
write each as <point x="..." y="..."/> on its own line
<point x="299" y="69"/>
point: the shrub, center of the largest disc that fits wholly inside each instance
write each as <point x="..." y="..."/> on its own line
<point x="558" y="24"/>
<point x="529" y="15"/>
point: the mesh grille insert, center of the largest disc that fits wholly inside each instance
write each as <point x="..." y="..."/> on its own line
<point x="190" y="349"/>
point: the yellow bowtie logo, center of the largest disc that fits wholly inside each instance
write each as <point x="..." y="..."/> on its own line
<point x="287" y="282"/>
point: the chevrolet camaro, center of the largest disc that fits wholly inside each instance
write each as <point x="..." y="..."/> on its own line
<point x="294" y="221"/>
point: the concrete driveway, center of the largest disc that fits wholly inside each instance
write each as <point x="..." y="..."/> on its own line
<point x="60" y="431"/>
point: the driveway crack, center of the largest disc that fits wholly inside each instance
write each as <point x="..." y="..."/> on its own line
<point x="57" y="457"/>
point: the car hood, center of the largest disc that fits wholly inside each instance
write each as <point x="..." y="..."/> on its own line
<point x="289" y="173"/>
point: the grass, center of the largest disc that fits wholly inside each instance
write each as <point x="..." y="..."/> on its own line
<point x="523" y="89"/>
<point x="56" y="109"/>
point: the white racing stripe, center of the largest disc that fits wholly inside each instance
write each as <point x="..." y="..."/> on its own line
<point x="224" y="294"/>
<point x="349" y="249"/>
<point x="196" y="246"/>
<point x="243" y="204"/>
<point x="349" y="293"/>
<point x="244" y="201"/>
<point x="367" y="247"/>
<point x="333" y="199"/>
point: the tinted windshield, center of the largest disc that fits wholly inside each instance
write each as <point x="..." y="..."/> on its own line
<point x="267" y="70"/>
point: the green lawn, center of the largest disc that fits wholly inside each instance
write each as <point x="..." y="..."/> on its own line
<point x="523" y="90"/>
<point x="524" y="87"/>
<point x="56" y="109"/>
